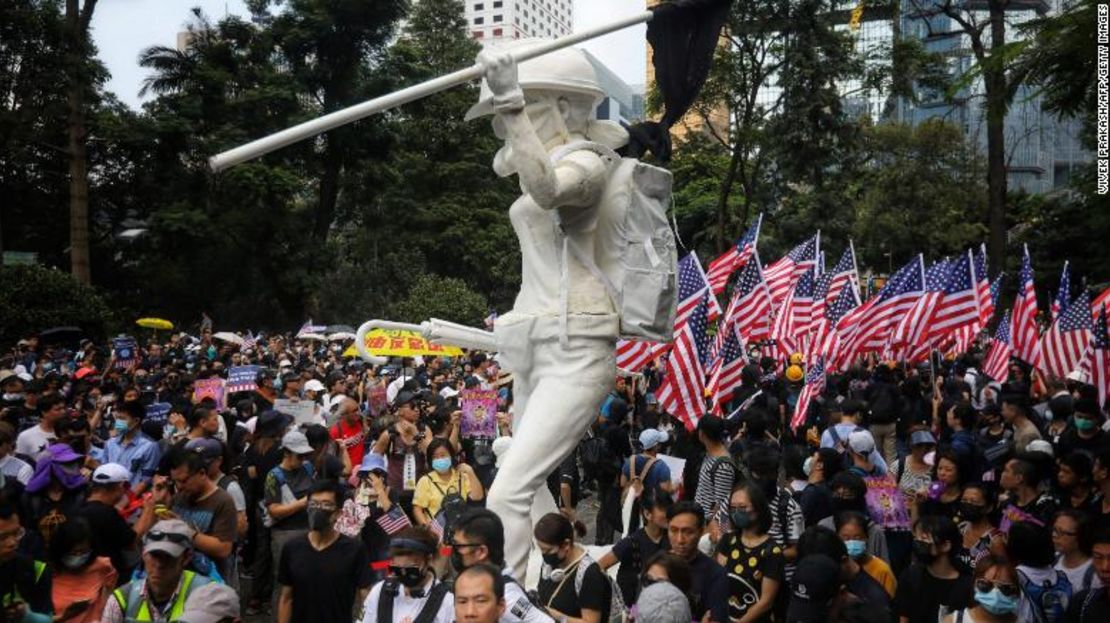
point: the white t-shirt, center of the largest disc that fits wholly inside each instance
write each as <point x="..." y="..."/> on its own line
<point x="33" y="441"/>
<point x="1076" y="575"/>
<point x="13" y="467"/>
<point x="405" y="608"/>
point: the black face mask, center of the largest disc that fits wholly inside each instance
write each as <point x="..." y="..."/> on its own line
<point x="972" y="512"/>
<point x="552" y="559"/>
<point x="847" y="504"/>
<point x="457" y="561"/>
<point x="922" y="550"/>
<point x="410" y="577"/>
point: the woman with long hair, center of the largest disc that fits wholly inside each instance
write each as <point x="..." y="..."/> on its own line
<point x="754" y="562"/>
<point x="981" y="537"/>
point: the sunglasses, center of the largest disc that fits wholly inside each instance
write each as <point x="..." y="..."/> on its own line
<point x="172" y="537"/>
<point x="1007" y="589"/>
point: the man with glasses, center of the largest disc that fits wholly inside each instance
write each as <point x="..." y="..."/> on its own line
<point x="25" y="584"/>
<point x="206" y="507"/>
<point x="412" y="586"/>
<point x="159" y="597"/>
<point x="323" y="572"/>
<point x="479" y="539"/>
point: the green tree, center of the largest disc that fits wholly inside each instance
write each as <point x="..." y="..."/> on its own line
<point x="35" y="298"/>
<point x="445" y="298"/>
<point x="80" y="78"/>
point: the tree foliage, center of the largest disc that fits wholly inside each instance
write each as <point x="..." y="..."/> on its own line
<point x="35" y="298"/>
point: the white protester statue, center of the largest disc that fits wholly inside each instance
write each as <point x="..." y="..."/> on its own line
<point x="559" y="338"/>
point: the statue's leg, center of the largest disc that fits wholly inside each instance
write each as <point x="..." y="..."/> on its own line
<point x="569" y="387"/>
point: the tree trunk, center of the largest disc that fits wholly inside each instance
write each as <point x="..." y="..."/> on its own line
<point x="994" y="78"/>
<point x="329" y="188"/>
<point x="722" y="198"/>
<point x="77" y="22"/>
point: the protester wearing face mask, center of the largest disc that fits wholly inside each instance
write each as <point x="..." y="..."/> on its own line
<point x="852" y="527"/>
<point x="754" y="561"/>
<point x="934" y="580"/>
<point x="446" y="489"/>
<point x="412" y="586"/>
<point x="816" y="498"/>
<point x="131" y="448"/>
<point x="54" y="492"/>
<point x="81" y="582"/>
<point x="980" y="537"/>
<point x="849" y="491"/>
<point x="565" y="598"/>
<point x="1086" y="431"/>
<point x="286" y="495"/>
<point x="322" y="573"/>
<point x="996" y="594"/>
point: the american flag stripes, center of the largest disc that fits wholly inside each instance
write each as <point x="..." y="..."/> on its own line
<point x="682" y="392"/>
<point x="911" y="329"/>
<point x="868" y="327"/>
<point x="1102" y="300"/>
<point x="984" y="288"/>
<point x="795" y="315"/>
<point x="960" y="304"/>
<point x="751" y="304"/>
<point x="394" y="520"/>
<point x="724" y="377"/>
<point x="632" y="356"/>
<point x="438" y="524"/>
<point x="693" y="289"/>
<point x="826" y="339"/>
<point x="997" y="363"/>
<point x="783" y="274"/>
<point x="1063" y="294"/>
<point x="815" y="386"/>
<point x="830" y="283"/>
<point x="1065" y="343"/>
<point x="734" y="259"/>
<point x="1024" y="334"/>
<point x="1099" y="354"/>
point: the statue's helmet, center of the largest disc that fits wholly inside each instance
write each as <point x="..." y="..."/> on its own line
<point x="564" y="71"/>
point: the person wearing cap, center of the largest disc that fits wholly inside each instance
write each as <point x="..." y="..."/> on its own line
<point x="286" y="496"/>
<point x="645" y="470"/>
<point x="261" y="456"/>
<point x="33" y="441"/>
<point x="836" y="436"/>
<point x="160" y="596"/>
<point x="412" y="586"/>
<point x="130" y="447"/>
<point x="911" y="472"/>
<point x="349" y="429"/>
<point x="372" y="502"/>
<point x="212" y="452"/>
<point x="861" y="445"/>
<point x="55" y="490"/>
<point x="111" y="534"/>
<point x="25" y="583"/>
<point x="264" y="394"/>
<point x="815" y="585"/>
<point x="291" y="385"/>
<point x="405" y="444"/>
<point x="322" y="573"/>
<point x="204" y="506"/>
<point x="211" y="603"/>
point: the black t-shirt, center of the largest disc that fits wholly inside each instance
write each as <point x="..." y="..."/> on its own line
<point x="746" y="567"/>
<point x="869" y="590"/>
<point x="324" y="582"/>
<point x="920" y="594"/>
<point x="596" y="593"/>
<point x="1089" y="606"/>
<point x="632" y="551"/>
<point x="816" y="501"/>
<point x="262" y="463"/>
<point x="18" y="582"/>
<point x="111" y="536"/>
<point x="565" y="473"/>
<point x="1071" y="441"/>
<point x="709" y="591"/>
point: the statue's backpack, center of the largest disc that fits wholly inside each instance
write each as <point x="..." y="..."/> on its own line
<point x="634" y="253"/>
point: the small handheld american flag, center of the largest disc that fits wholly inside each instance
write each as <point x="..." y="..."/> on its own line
<point x="394" y="520"/>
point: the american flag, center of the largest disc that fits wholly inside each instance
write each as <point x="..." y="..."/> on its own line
<point x="308" y="327"/>
<point x="867" y="327"/>
<point x="1063" y="295"/>
<point x="393" y="521"/>
<point x="783" y="274"/>
<point x="794" y="318"/>
<point x="960" y="305"/>
<point x="1065" y="343"/>
<point x="437" y="525"/>
<point x="1102" y="300"/>
<point x="693" y="289"/>
<point x="826" y="339"/>
<point x="632" y="356"/>
<point x="751" y="304"/>
<point x="682" y="392"/>
<point x="910" y="331"/>
<point x="1100" y="357"/>
<point x="724" y="376"/>
<point x="997" y="363"/>
<point x="815" y="386"/>
<point x="735" y="258"/>
<point x="1024" y="333"/>
<point x="250" y="341"/>
<point x="832" y="282"/>
<point x="984" y="288"/>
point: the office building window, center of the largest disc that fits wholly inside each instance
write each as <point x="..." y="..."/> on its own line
<point x="496" y="18"/>
<point x="496" y="32"/>
<point x="479" y="6"/>
<point x="479" y="20"/>
<point x="497" y="4"/>
<point x="479" y="34"/>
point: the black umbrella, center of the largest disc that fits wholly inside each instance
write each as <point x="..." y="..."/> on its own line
<point x="61" y="335"/>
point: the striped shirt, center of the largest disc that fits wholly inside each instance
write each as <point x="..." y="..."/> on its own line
<point x="714" y="483"/>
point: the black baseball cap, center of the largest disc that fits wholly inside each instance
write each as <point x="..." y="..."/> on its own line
<point x="816" y="582"/>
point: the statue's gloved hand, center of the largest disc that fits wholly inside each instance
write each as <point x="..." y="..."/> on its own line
<point x="501" y="78"/>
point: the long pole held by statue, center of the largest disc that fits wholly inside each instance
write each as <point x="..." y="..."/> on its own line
<point x="308" y="129"/>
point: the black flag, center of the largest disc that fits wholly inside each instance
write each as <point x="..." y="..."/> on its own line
<point x="683" y="35"/>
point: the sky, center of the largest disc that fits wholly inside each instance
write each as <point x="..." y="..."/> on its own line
<point x="123" y="28"/>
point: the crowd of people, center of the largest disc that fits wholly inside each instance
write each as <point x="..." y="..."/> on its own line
<point x="909" y="493"/>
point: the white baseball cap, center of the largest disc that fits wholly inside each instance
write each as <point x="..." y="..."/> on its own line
<point x="111" y="473"/>
<point x="313" y="385"/>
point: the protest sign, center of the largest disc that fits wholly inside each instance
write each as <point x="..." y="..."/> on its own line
<point x="886" y="503"/>
<point x="1012" y="515"/>
<point x="242" y="379"/>
<point x="302" y="411"/>
<point x="479" y="413"/>
<point x="209" y="388"/>
<point x="376" y="400"/>
<point x="125" y="350"/>
<point x="158" y="412"/>
<point x="676" y="465"/>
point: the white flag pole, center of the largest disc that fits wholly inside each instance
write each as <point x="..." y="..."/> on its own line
<point x="333" y="120"/>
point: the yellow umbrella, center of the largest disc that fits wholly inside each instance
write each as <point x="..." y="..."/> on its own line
<point x="398" y="343"/>
<point x="154" y="323"/>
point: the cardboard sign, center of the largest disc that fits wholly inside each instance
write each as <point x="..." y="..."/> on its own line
<point x="158" y="412"/>
<point x="242" y="379"/>
<point x="302" y="411"/>
<point x="479" y="413"/>
<point x="126" y="351"/>
<point x="676" y="465"/>
<point x="210" y="388"/>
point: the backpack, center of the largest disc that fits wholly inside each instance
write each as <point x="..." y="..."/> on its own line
<point x="840" y="444"/>
<point x="287" y="494"/>
<point x="635" y="486"/>
<point x="595" y="454"/>
<point x="391" y="588"/>
<point x="635" y="256"/>
<point x="1048" y="601"/>
<point x="886" y="406"/>
<point x="617" y="609"/>
<point x="452" y="505"/>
